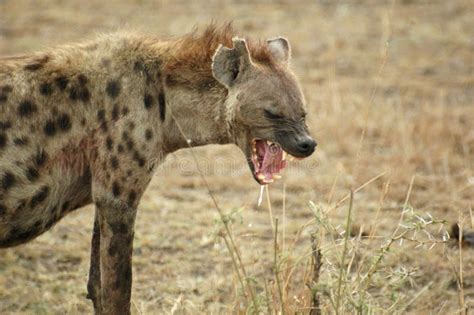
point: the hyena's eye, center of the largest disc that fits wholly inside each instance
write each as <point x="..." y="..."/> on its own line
<point x="272" y="115"/>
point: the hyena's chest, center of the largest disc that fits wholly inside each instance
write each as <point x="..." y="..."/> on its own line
<point x="28" y="208"/>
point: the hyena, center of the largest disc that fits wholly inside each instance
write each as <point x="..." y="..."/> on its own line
<point x="88" y="123"/>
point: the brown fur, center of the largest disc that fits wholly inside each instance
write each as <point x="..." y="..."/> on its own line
<point x="194" y="52"/>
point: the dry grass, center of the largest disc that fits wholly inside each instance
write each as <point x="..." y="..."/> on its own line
<point x="390" y="88"/>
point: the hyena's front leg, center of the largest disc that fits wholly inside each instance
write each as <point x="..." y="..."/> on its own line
<point x="116" y="223"/>
<point x="93" y="285"/>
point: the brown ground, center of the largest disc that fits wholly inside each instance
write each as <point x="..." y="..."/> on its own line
<point x="399" y="72"/>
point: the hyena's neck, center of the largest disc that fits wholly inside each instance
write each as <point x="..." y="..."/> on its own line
<point x="194" y="118"/>
<point x="195" y="105"/>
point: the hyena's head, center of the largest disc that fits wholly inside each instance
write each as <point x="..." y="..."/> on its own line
<point x="265" y="106"/>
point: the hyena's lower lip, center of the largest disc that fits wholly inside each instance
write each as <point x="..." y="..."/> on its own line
<point x="268" y="159"/>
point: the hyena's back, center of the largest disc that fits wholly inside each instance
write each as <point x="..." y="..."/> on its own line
<point x="44" y="171"/>
<point x="71" y="117"/>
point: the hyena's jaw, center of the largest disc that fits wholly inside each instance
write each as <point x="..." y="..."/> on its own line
<point x="267" y="160"/>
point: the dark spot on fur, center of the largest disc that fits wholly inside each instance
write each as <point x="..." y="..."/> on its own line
<point x="79" y="93"/>
<point x="37" y="225"/>
<point x="120" y="148"/>
<point x="18" y="236"/>
<point x="129" y="173"/>
<point x="37" y="64"/>
<point x="130" y="144"/>
<point x="101" y="115"/>
<point x="26" y="108"/>
<point x="8" y="180"/>
<point x="139" y="159"/>
<point x="40" y="158"/>
<point x="124" y="135"/>
<point x="4" y="125"/>
<point x="139" y="66"/>
<point x="114" y="162"/>
<point x="46" y="88"/>
<point x="32" y="174"/>
<point x="62" y="82"/>
<point x="125" y="111"/>
<point x="34" y="66"/>
<point x="49" y="128"/>
<point x="148" y="134"/>
<point x="115" y="112"/>
<point x="65" y="206"/>
<point x="104" y="127"/>
<point x="148" y="101"/>
<point x="131" y="125"/>
<point x="83" y="122"/>
<point x="21" y="141"/>
<point x="109" y="143"/>
<point x="49" y="224"/>
<point x="116" y="189"/>
<point x="132" y="196"/>
<point x="40" y="196"/>
<point x="3" y="209"/>
<point x="113" y="88"/>
<point x="162" y="104"/>
<point x="63" y="122"/>
<point x="82" y="79"/>
<point x="3" y="140"/>
<point x="4" y="90"/>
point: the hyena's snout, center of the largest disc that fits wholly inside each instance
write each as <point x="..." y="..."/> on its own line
<point x="305" y="145"/>
<point x="299" y="144"/>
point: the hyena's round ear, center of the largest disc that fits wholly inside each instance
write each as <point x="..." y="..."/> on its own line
<point x="229" y="64"/>
<point x="280" y="49"/>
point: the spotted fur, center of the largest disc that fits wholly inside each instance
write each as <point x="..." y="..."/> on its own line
<point x="87" y="123"/>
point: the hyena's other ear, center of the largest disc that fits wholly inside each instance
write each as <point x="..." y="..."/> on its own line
<point x="229" y="64"/>
<point x="280" y="49"/>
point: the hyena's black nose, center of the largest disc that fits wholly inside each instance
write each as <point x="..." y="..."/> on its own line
<point x="306" y="146"/>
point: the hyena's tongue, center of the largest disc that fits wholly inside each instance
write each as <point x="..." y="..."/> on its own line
<point x="270" y="160"/>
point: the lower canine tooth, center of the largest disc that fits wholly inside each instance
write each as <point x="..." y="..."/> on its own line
<point x="275" y="176"/>
<point x="261" y="176"/>
<point x="284" y="156"/>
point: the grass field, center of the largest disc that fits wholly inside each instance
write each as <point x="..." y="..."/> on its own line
<point x="390" y="92"/>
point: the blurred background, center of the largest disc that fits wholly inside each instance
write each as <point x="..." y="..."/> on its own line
<point x="390" y="93"/>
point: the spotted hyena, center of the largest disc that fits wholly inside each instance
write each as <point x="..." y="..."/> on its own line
<point x="87" y="123"/>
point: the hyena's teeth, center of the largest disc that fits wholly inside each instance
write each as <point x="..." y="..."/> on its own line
<point x="284" y="156"/>
<point x="291" y="157"/>
<point x="276" y="176"/>
<point x="269" y="142"/>
<point x="268" y="181"/>
<point x="261" y="176"/>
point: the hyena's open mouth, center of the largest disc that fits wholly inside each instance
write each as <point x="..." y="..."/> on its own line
<point x="268" y="159"/>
